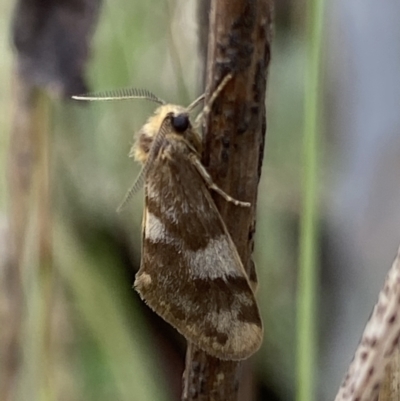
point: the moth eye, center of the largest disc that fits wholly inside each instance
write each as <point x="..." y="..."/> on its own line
<point x="180" y="122"/>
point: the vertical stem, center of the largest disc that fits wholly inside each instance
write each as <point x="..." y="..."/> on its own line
<point x="20" y="170"/>
<point x="29" y="192"/>
<point x="306" y="320"/>
<point x="239" y="43"/>
<point x="45" y="272"/>
<point x="390" y="389"/>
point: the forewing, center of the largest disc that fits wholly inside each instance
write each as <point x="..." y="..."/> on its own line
<point x="191" y="273"/>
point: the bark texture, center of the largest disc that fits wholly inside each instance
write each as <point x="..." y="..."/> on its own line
<point x="239" y="43"/>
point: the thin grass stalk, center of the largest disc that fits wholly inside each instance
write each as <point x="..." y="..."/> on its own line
<point x="307" y="279"/>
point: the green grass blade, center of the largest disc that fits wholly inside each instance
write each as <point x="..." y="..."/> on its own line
<point x="307" y="279"/>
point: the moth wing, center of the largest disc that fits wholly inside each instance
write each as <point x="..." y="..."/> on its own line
<point x="191" y="273"/>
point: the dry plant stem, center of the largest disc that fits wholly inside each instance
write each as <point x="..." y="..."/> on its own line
<point x="390" y="389"/>
<point x="28" y="181"/>
<point x="21" y="160"/>
<point x="43" y="203"/>
<point x="239" y="43"/>
<point x="203" y="10"/>
<point x="378" y="343"/>
<point x="209" y="378"/>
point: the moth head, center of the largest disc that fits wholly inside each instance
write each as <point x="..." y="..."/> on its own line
<point x="176" y="116"/>
<point x="178" y="125"/>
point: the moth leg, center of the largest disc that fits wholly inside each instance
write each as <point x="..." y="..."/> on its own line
<point x="212" y="185"/>
<point x="207" y="108"/>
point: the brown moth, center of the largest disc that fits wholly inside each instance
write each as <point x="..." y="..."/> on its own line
<point x="191" y="273"/>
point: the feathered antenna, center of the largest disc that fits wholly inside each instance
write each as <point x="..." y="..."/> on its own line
<point x="121" y="94"/>
<point x="155" y="147"/>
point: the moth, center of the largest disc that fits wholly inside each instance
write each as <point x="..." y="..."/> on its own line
<point x="191" y="273"/>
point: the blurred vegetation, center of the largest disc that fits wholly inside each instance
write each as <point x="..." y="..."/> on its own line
<point x="104" y="349"/>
